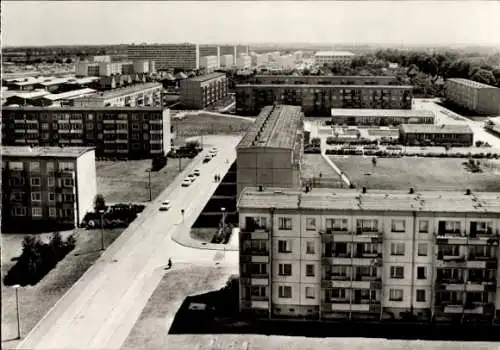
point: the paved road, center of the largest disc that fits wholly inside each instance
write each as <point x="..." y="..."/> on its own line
<point x="99" y="311"/>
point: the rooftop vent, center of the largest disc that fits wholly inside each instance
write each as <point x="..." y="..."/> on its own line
<point x="468" y="192"/>
<point x="412" y="190"/>
<point x="261" y="188"/>
<point x="364" y="189"/>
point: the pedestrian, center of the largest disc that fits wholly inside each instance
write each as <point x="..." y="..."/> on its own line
<point x="215" y="178"/>
<point x="169" y="263"/>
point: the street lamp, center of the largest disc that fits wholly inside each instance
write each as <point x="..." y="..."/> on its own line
<point x="16" y="287"/>
<point x="223" y="210"/>
<point x="102" y="228"/>
<point x="182" y="213"/>
<point x="149" y="183"/>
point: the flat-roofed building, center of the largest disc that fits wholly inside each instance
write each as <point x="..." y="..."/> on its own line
<point x="318" y="100"/>
<point x="329" y="254"/>
<point x="454" y="135"/>
<point x="46" y="188"/>
<point x="202" y="91"/>
<point x="325" y="80"/>
<point x="332" y="57"/>
<point x="270" y="153"/>
<point x="167" y="56"/>
<point x="227" y="61"/>
<point x="147" y="94"/>
<point x="478" y="97"/>
<point x="124" y="132"/>
<point x="209" y="63"/>
<point x="381" y="117"/>
<point x="259" y="60"/>
<point x="243" y="61"/>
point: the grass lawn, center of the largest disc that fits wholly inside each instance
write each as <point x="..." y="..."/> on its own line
<point x="203" y="234"/>
<point x="36" y="301"/>
<point x="194" y="125"/>
<point x="419" y="173"/>
<point x="127" y="181"/>
<point x="313" y="165"/>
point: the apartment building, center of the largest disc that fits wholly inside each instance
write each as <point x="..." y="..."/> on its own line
<point x="124" y="132"/>
<point x="146" y="94"/>
<point x="227" y="61"/>
<point x="46" y="188"/>
<point x="333" y="57"/>
<point x="325" y="80"/>
<point x="108" y="68"/>
<point x="478" y="97"/>
<point x="270" y="153"/>
<point x="167" y="56"/>
<point x="420" y="134"/>
<point x="318" y="100"/>
<point x="243" y="61"/>
<point x="202" y="91"/>
<point x="382" y="255"/>
<point x="209" y="63"/>
<point x="381" y="117"/>
<point x="259" y="60"/>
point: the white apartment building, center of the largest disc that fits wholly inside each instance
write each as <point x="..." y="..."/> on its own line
<point x="227" y="61"/>
<point x="332" y="57"/>
<point x="259" y="60"/>
<point x="286" y="61"/>
<point x="209" y="63"/>
<point x="244" y="61"/>
<point x="341" y="253"/>
<point x="478" y="97"/>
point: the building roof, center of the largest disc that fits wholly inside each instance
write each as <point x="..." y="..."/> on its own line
<point x="69" y="94"/>
<point x="313" y="77"/>
<point x="323" y="86"/>
<point x="335" y="53"/>
<point x="124" y="91"/>
<point x="275" y="127"/>
<point x="372" y="200"/>
<point x="85" y="80"/>
<point x="471" y="83"/>
<point x="436" y="129"/>
<point x="357" y="112"/>
<point x="25" y="95"/>
<point x="57" y="81"/>
<point x="77" y="108"/>
<point x="207" y="77"/>
<point x="27" y="151"/>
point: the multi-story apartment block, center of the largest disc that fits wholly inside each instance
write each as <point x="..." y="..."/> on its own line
<point x="243" y="61"/>
<point x="46" y="188"/>
<point x="202" y="91"/>
<point x="147" y="94"/>
<point x="452" y="135"/>
<point x="259" y="60"/>
<point x="381" y="117"/>
<point x="325" y="80"/>
<point x="128" y="132"/>
<point x="209" y="63"/>
<point x="227" y="61"/>
<point x="167" y="56"/>
<point x="478" y="97"/>
<point x="320" y="99"/>
<point x="107" y="68"/>
<point x="333" y="57"/>
<point x="270" y="153"/>
<point x="327" y="254"/>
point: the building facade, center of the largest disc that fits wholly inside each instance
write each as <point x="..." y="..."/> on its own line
<point x="147" y="94"/>
<point x="333" y="57"/>
<point x="325" y="80"/>
<point x="167" y="56"/>
<point x="381" y="117"/>
<point x="46" y="188"/>
<point x="320" y="99"/>
<point x="243" y="61"/>
<point x="209" y="63"/>
<point x="124" y="132"/>
<point x="227" y="61"/>
<point x="270" y="153"/>
<point x="375" y="255"/>
<point x="478" y="97"/>
<point x="202" y="91"/>
<point x="451" y="135"/>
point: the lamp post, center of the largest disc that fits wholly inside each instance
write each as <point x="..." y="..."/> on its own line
<point x="102" y="229"/>
<point x="182" y="213"/>
<point x="16" y="287"/>
<point x="149" y="183"/>
<point x="223" y="210"/>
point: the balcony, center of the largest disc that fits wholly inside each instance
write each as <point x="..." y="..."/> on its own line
<point x="255" y="252"/>
<point x="452" y="308"/>
<point x="336" y="283"/>
<point x="255" y="233"/>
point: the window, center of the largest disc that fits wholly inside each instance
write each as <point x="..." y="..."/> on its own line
<point x="35" y="181"/>
<point x="16" y="196"/>
<point x="420" y="295"/>
<point x="68" y="182"/>
<point x="69" y="197"/>
<point x="310" y="247"/>
<point x="366" y="225"/>
<point x="423" y="226"/>
<point x="449" y="227"/>
<point x="449" y="250"/>
<point x="336" y="224"/>
<point x="285" y="291"/>
<point x="310" y="224"/>
<point x="36" y="196"/>
<point x="422" y="249"/>
<point x="284" y="246"/>
<point x="395" y="294"/>
<point x="258" y="291"/>
<point x="336" y="293"/>
<point x="310" y="270"/>
<point x="258" y="269"/>
<point x="19" y="211"/>
<point x="285" y="223"/>
<point x="16" y="166"/>
<point x="285" y="269"/>
<point x="397" y="272"/>
<point x="421" y="272"/>
<point x="52" y="212"/>
<point x="52" y="197"/>
<point x="397" y="249"/>
<point x="37" y="211"/>
<point x="66" y="166"/>
<point x="310" y="293"/>
<point x="50" y="166"/>
<point x="34" y="166"/>
<point x="51" y="181"/>
<point x="398" y="226"/>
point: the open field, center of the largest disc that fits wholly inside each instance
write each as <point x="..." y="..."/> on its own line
<point x="36" y="301"/>
<point x="313" y="165"/>
<point x="127" y="181"/>
<point x="419" y="173"/>
<point x="204" y="124"/>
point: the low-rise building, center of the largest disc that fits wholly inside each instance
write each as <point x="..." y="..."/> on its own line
<point x="425" y="134"/>
<point x="347" y="254"/>
<point x="270" y="153"/>
<point x="202" y="91"/>
<point x="227" y="61"/>
<point x="46" y="188"/>
<point x="478" y="97"/>
<point x="125" y="132"/>
<point x="147" y="94"/>
<point x="332" y="57"/>
<point x="381" y="117"/>
<point x="209" y="63"/>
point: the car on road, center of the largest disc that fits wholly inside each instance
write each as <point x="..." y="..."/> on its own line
<point x="207" y="159"/>
<point x="213" y="151"/>
<point x="186" y="182"/>
<point x="165" y="206"/>
<point x="191" y="177"/>
<point x="196" y="172"/>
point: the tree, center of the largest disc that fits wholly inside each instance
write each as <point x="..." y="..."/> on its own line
<point x="99" y="203"/>
<point x="56" y="241"/>
<point x="484" y="76"/>
<point x="69" y="61"/>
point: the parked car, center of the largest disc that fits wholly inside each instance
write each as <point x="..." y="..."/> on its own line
<point x="196" y="172"/>
<point x="165" y="206"/>
<point x="207" y="159"/>
<point x="186" y="182"/>
<point x="191" y="177"/>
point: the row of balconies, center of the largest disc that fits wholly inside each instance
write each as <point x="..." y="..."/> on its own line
<point x="346" y="305"/>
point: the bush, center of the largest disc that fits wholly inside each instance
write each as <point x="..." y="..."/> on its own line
<point x="316" y="141"/>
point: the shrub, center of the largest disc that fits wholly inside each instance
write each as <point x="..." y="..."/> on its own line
<point x="316" y="141"/>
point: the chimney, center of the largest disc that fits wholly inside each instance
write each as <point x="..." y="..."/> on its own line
<point x="467" y="192"/>
<point x="261" y="188"/>
<point x="364" y="189"/>
<point x="412" y="190"/>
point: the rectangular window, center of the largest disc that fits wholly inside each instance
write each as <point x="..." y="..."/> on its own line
<point x="16" y="166"/>
<point x="19" y="211"/>
<point x="420" y="295"/>
<point x="36" y="196"/>
<point x="50" y="166"/>
<point x="310" y="270"/>
<point x="336" y="224"/>
<point x="397" y="272"/>
<point x="310" y="293"/>
<point x="398" y="226"/>
<point x="258" y="291"/>
<point x="35" y="181"/>
<point x="34" y="166"/>
<point x="395" y="294"/>
<point x="285" y="269"/>
<point x="285" y="292"/>
<point x="336" y="293"/>
<point x="423" y="226"/>
<point x="285" y="223"/>
<point x="284" y="246"/>
<point x="397" y="249"/>
<point x="422" y="249"/>
<point x="310" y="247"/>
<point x="366" y="225"/>
<point x="36" y="211"/>
<point x="66" y="166"/>
<point x="51" y="181"/>
<point x="310" y="224"/>
<point x="69" y="197"/>
<point x="68" y="182"/>
<point x="52" y="212"/>
<point x="421" y="272"/>
<point x="52" y="197"/>
<point x="258" y="269"/>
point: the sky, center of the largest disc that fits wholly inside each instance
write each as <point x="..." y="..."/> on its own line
<point x="350" y="22"/>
